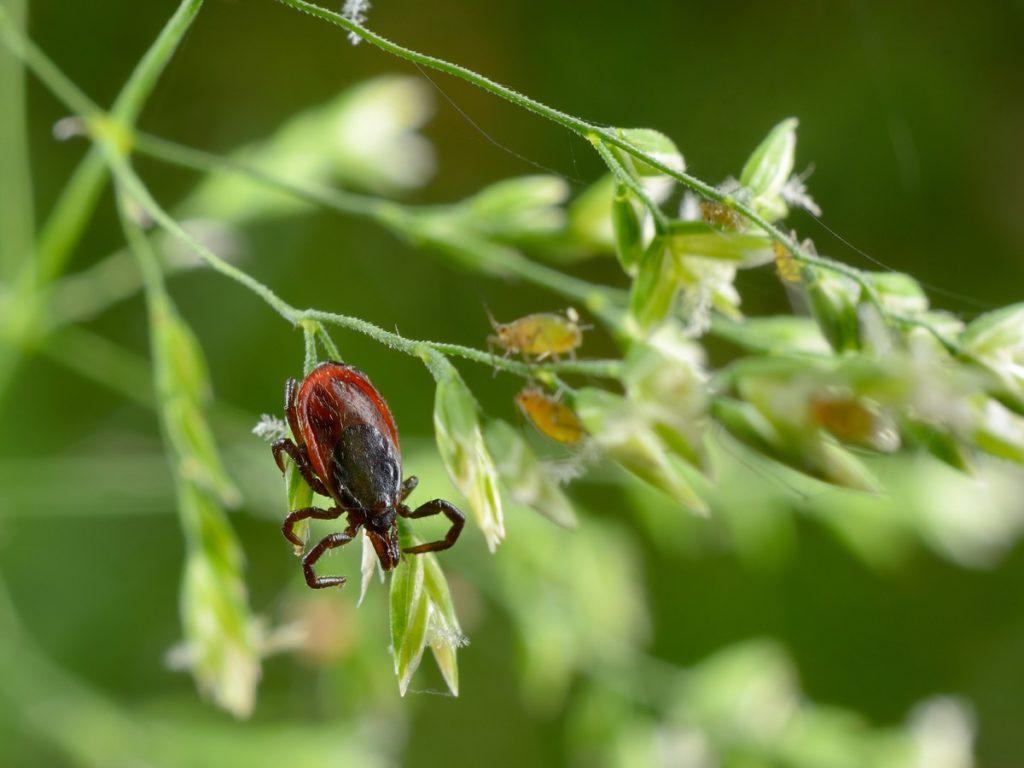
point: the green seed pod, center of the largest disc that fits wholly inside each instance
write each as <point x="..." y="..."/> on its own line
<point x="421" y="614"/>
<point x="409" y="613"/>
<point x="461" y="445"/>
<point x="659" y="146"/>
<point x="655" y="286"/>
<point x="768" y="169"/>
<point x="629" y="239"/>
<point x="833" y="300"/>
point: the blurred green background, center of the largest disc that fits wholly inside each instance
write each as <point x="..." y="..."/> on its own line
<point x="913" y="116"/>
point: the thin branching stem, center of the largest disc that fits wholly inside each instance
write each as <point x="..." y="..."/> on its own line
<point x="134" y="190"/>
<point x="599" y="135"/>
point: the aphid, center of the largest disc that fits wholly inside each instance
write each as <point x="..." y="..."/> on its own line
<point x="720" y="215"/>
<point x="550" y="416"/>
<point x="348" y="451"/>
<point x="541" y="335"/>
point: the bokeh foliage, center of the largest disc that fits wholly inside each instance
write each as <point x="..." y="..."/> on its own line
<point x="864" y="614"/>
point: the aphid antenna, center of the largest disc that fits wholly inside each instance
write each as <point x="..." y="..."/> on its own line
<point x="494" y="323"/>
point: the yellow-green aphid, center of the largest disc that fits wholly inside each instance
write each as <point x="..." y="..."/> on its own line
<point x="541" y="335"/>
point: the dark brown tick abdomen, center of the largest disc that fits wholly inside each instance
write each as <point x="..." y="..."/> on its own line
<point x="335" y="396"/>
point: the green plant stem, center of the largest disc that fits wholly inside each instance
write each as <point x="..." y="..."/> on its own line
<point x="134" y="187"/>
<point x="414" y="347"/>
<point x="603" y="301"/>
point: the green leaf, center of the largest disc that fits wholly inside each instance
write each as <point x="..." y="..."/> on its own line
<point x="525" y="476"/>
<point x="655" y="286"/>
<point x="769" y="168"/>
<point x="409" y="614"/>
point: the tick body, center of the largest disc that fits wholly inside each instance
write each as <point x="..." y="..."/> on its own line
<point x="541" y="335"/>
<point x="347" y="449"/>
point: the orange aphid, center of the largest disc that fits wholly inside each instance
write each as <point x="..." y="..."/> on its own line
<point x="541" y="335"/>
<point x="551" y="417"/>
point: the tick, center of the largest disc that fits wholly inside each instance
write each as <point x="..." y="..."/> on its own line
<point x="348" y="451"/>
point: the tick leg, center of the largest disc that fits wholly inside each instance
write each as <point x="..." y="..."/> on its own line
<point x="436" y="507"/>
<point x="288" y="527"/>
<point x="326" y="543"/>
<point x="301" y="459"/>
<point x="408" y="487"/>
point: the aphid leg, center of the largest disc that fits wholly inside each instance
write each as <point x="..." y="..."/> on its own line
<point x="288" y="527"/>
<point x="435" y="507"/>
<point x="327" y="542"/>
<point x="408" y="487"/>
<point x="301" y="459"/>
